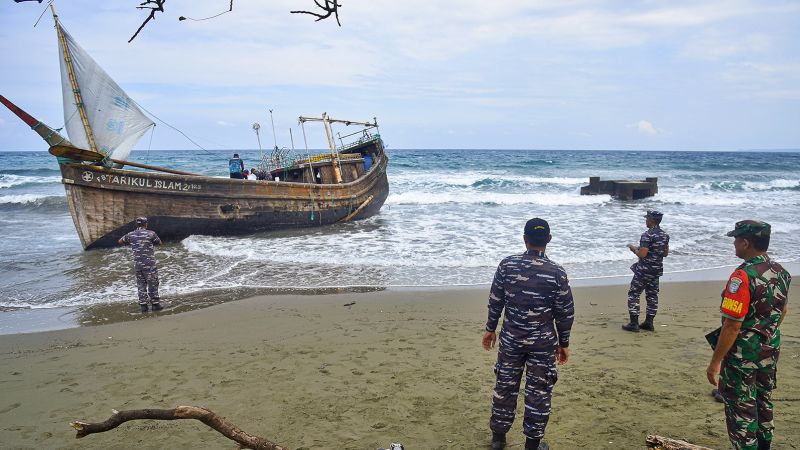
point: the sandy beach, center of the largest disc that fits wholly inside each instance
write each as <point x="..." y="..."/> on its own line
<point x="403" y="366"/>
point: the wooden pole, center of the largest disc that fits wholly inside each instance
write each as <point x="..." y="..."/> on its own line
<point x="88" y="155"/>
<point x="337" y="174"/>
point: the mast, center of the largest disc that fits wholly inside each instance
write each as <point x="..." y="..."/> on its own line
<point x="74" y="82"/>
<point x="337" y="174"/>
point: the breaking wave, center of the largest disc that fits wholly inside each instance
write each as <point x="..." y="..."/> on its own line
<point x="8" y="180"/>
<point x="32" y="202"/>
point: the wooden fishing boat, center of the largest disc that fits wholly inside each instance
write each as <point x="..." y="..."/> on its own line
<point x="105" y="198"/>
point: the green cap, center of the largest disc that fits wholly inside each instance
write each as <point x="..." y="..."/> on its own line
<point x="751" y="228"/>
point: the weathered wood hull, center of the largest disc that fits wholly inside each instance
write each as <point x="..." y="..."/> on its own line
<point x="104" y="202"/>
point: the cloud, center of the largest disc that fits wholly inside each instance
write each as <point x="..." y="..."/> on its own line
<point x="2" y="122"/>
<point x="646" y="127"/>
<point x="223" y="123"/>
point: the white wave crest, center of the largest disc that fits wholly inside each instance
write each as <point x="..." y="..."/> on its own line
<point x="471" y="178"/>
<point x="23" y="199"/>
<point x="8" y="180"/>
<point x="432" y="198"/>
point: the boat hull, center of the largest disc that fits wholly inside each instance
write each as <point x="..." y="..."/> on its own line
<point x="104" y="203"/>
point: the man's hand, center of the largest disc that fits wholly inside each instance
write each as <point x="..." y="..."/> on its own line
<point x="632" y="248"/>
<point x="562" y="355"/>
<point x="712" y="372"/>
<point x="489" y="339"/>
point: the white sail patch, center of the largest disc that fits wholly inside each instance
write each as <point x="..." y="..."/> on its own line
<point x="115" y="120"/>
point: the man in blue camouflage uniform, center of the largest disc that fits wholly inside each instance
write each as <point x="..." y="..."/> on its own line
<point x="653" y="247"/>
<point x="142" y="241"/>
<point x="744" y="363"/>
<point x="539" y="311"/>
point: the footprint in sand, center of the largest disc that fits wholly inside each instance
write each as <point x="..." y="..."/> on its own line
<point x="10" y="407"/>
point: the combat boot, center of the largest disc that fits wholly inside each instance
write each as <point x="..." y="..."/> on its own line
<point x="648" y="323"/>
<point x="498" y="441"/>
<point x="157" y="307"/>
<point x="633" y="325"/>
<point x="536" y="444"/>
<point x="144" y="308"/>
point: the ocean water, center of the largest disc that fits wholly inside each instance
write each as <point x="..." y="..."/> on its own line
<point x="450" y="217"/>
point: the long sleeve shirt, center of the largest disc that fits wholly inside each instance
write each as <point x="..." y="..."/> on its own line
<point x="535" y="294"/>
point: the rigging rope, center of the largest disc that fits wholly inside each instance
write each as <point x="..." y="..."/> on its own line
<point x="150" y="145"/>
<point x="179" y="131"/>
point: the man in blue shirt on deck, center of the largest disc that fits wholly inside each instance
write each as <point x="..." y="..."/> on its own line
<point x="535" y="294"/>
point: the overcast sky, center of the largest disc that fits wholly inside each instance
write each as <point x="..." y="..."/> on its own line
<point x="566" y="74"/>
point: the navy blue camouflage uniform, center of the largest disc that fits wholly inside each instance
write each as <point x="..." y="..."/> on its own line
<point x="539" y="311"/>
<point x="142" y="241"/>
<point x="647" y="271"/>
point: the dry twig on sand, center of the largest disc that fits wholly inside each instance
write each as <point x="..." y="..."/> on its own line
<point x="662" y="443"/>
<point x="209" y="418"/>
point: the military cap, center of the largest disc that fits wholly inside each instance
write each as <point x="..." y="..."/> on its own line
<point x="653" y="214"/>
<point x="537" y="227"/>
<point x="751" y="228"/>
<point x="141" y="220"/>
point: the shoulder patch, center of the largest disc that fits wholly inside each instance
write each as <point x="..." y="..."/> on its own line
<point x="734" y="284"/>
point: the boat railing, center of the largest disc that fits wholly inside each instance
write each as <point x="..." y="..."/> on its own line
<point x="365" y="138"/>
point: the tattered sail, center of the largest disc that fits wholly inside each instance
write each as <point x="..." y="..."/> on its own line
<point x="115" y="120"/>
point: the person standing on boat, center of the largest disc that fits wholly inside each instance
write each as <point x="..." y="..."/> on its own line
<point x="142" y="241"/>
<point x="539" y="310"/>
<point x="653" y="248"/>
<point x="236" y="167"/>
<point x="744" y="363"/>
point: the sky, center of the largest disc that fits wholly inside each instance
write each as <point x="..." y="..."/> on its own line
<point x="465" y="74"/>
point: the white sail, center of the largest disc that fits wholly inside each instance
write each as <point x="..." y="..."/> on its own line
<point x="115" y="120"/>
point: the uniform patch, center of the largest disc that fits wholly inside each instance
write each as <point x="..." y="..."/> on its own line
<point x="733" y="286"/>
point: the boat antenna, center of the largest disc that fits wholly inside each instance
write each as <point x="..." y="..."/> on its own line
<point x="308" y="156"/>
<point x="256" y="127"/>
<point x="291" y="138"/>
<point x="274" y="136"/>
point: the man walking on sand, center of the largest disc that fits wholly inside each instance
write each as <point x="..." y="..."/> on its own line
<point x="652" y="249"/>
<point x="744" y="364"/>
<point x="535" y="294"/>
<point x="142" y="241"/>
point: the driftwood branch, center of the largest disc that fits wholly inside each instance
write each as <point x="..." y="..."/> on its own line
<point x="662" y="443"/>
<point x="154" y="6"/>
<point x="331" y="7"/>
<point x="209" y="418"/>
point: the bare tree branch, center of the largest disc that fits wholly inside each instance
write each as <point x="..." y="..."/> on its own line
<point x="154" y="6"/>
<point x="331" y="7"/>
<point x="204" y="415"/>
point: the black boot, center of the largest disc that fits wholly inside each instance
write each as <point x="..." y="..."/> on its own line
<point x="648" y="323"/>
<point x="536" y="444"/>
<point x="633" y="325"/>
<point x="157" y="306"/>
<point x="498" y="441"/>
<point x="763" y="445"/>
<point x="144" y="308"/>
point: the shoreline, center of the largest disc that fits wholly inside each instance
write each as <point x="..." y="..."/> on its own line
<point x="406" y="366"/>
<point x="37" y="320"/>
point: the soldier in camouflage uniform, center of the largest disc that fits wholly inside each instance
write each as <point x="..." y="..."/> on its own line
<point x="653" y="247"/>
<point x="142" y="241"/>
<point x="539" y="311"/>
<point x="746" y="352"/>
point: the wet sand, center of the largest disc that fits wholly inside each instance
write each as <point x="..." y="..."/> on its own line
<point x="396" y="366"/>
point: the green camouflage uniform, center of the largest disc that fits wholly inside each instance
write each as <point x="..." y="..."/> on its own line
<point x="748" y="371"/>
